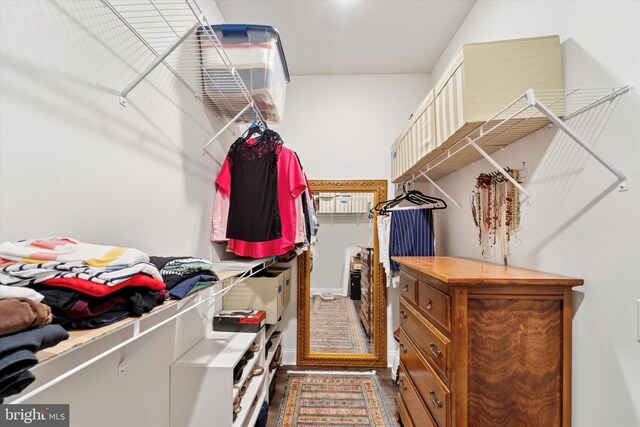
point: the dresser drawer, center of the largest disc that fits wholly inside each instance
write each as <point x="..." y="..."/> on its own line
<point x="436" y="305"/>
<point x="403" y="412"/>
<point x="434" y="346"/>
<point x="408" y="286"/>
<point x="434" y="392"/>
<point x="414" y="404"/>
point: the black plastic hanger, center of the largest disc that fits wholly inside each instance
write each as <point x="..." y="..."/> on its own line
<point x="414" y="196"/>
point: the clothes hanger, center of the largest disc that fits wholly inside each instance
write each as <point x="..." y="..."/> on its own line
<point x="378" y="207"/>
<point x="414" y="196"/>
<point x="255" y="129"/>
<point x="421" y="198"/>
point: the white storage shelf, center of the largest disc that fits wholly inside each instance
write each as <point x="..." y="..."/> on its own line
<point x="460" y="120"/>
<point x="251" y="402"/>
<point x="202" y="379"/>
<point x="527" y="114"/>
<point x="202" y="390"/>
<point x="175" y="31"/>
<point x="251" y="419"/>
<point x="344" y="203"/>
<point x="480" y="79"/>
<point x="272" y="350"/>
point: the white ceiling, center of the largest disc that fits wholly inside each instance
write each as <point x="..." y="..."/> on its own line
<point x="355" y="36"/>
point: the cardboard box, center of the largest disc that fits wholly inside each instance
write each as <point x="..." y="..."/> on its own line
<point x="263" y="291"/>
<point x="286" y="291"/>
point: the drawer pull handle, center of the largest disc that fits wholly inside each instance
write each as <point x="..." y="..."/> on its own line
<point x="435" y="350"/>
<point x="403" y="315"/>
<point x="403" y="349"/>
<point x="429" y="304"/>
<point x="434" y="399"/>
<point x="406" y="288"/>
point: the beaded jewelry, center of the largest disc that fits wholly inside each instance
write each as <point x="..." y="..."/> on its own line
<point x="495" y="208"/>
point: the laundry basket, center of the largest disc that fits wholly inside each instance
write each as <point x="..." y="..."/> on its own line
<point x="256" y="53"/>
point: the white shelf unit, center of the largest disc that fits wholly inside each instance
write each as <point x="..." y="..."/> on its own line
<point x="202" y="390"/>
<point x="527" y="114"/>
<point x="251" y="420"/>
<point x="174" y="30"/>
<point x="248" y="368"/>
<point x="202" y="378"/>
<point x="272" y="350"/>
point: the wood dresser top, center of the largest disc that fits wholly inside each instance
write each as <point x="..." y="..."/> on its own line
<point x="463" y="271"/>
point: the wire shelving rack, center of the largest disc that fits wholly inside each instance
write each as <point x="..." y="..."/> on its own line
<point x="175" y="31"/>
<point x="527" y="114"/>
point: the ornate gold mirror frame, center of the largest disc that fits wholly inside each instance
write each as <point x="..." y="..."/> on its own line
<point x="379" y="356"/>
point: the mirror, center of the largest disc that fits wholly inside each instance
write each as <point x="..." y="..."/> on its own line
<point x="341" y="289"/>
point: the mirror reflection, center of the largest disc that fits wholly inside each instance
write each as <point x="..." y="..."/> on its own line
<point x="341" y="278"/>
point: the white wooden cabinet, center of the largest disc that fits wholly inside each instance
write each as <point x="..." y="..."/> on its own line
<point x="202" y="391"/>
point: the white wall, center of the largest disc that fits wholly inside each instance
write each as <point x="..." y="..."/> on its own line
<point x="337" y="236"/>
<point x="73" y="162"/>
<point x="342" y="127"/>
<point x="577" y="223"/>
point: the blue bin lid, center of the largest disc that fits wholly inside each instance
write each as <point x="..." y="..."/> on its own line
<point x="238" y="33"/>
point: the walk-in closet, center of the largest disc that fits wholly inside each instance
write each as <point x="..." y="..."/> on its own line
<point x="295" y="213"/>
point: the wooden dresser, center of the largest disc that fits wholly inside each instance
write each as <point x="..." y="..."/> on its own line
<point x="483" y="344"/>
<point x="366" y="290"/>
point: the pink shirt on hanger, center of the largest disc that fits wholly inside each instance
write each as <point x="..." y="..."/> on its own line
<point x="291" y="184"/>
<point x="219" y="216"/>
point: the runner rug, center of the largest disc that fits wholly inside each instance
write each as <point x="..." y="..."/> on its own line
<point x="335" y="327"/>
<point x="327" y="398"/>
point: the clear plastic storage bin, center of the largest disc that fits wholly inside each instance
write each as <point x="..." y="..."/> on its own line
<point x="257" y="55"/>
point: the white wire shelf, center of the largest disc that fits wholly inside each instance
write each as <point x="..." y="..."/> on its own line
<point x="82" y="344"/>
<point x="176" y="31"/>
<point x="529" y="113"/>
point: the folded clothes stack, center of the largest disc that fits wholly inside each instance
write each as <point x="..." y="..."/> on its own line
<point x="78" y="285"/>
<point x="24" y="330"/>
<point x="86" y="285"/>
<point x="21" y="309"/>
<point x="184" y="275"/>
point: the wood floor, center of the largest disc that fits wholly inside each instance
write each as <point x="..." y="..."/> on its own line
<point x="384" y="379"/>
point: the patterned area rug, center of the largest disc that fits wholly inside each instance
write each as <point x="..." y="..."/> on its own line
<point x="335" y="327"/>
<point x="326" y="398"/>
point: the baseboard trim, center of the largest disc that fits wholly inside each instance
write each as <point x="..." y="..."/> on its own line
<point x="390" y="356"/>
<point x="334" y="291"/>
<point x="289" y="357"/>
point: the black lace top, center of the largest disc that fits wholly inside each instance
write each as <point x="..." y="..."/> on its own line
<point x="254" y="215"/>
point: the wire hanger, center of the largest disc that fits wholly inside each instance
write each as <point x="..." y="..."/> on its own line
<point x="414" y="196"/>
<point x="255" y="129"/>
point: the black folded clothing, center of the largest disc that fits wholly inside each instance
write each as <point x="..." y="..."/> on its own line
<point x="74" y="309"/>
<point x="17" y="356"/>
<point x="34" y="340"/>
<point x="12" y="367"/>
